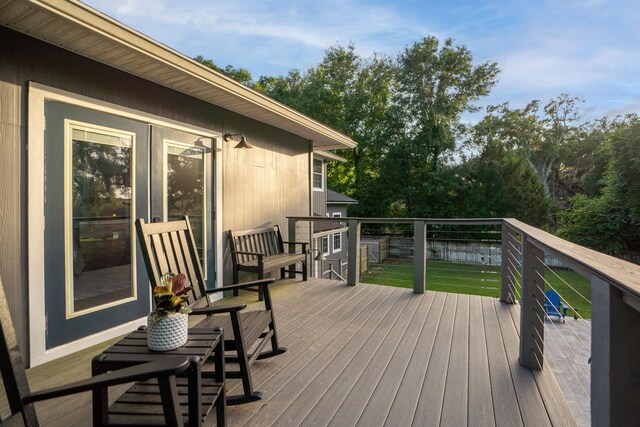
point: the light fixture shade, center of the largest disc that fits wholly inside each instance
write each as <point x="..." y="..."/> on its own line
<point x="243" y="143"/>
<point x="320" y="257"/>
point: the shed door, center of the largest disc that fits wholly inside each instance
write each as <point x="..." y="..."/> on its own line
<point x="96" y="184"/>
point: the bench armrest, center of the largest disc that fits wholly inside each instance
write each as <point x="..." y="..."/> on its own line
<point x="303" y="244"/>
<point x="226" y="308"/>
<point x="296" y="243"/>
<point x="262" y="282"/>
<point x="247" y="253"/>
<point x="168" y="366"/>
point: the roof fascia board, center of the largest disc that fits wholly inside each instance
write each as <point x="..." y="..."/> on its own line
<point x="329" y="156"/>
<point x="95" y="21"/>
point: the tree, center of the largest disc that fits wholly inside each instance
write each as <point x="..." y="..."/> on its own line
<point x="241" y="75"/>
<point x="610" y="222"/>
<point x="436" y="84"/>
<point x="499" y="183"/>
<point x="352" y="95"/>
<point x="543" y="138"/>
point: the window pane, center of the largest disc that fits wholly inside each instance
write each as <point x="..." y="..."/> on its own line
<point x="185" y="189"/>
<point x="101" y="197"/>
<point x="317" y="174"/>
<point x="337" y="242"/>
<point x="325" y="245"/>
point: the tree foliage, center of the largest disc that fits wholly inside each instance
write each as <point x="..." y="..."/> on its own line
<point x="241" y="75"/>
<point x="610" y="221"/>
<point x="415" y="157"/>
<point x="435" y="85"/>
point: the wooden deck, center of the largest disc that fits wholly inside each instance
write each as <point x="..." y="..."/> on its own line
<point x="374" y="355"/>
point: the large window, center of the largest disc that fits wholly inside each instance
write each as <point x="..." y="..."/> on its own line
<point x="100" y="195"/>
<point x="318" y="175"/>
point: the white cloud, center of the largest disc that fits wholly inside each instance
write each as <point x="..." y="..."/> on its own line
<point x="585" y="47"/>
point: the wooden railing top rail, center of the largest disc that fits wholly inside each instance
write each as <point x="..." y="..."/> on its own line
<point x="622" y="274"/>
<point x="432" y="221"/>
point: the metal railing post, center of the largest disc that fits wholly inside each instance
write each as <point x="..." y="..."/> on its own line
<point x="419" y="256"/>
<point x="354" y="252"/>
<point x="507" y="291"/>
<point x="532" y="309"/>
<point x="615" y="364"/>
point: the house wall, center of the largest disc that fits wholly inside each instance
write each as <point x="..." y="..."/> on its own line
<point x="342" y="209"/>
<point x="342" y="254"/>
<point x="261" y="186"/>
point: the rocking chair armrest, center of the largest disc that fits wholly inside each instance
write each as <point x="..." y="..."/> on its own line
<point x="226" y="308"/>
<point x="261" y="282"/>
<point x="168" y="366"/>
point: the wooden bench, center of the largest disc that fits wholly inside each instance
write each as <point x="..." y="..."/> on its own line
<point x="262" y="251"/>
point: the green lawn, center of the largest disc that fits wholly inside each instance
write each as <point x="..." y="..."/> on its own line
<point x="476" y="280"/>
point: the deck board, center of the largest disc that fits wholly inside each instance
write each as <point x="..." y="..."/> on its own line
<point x="480" y="401"/>
<point x="406" y="399"/>
<point x="371" y="355"/>
<point x="379" y="404"/>
<point x="505" y="401"/>
<point x="457" y="384"/>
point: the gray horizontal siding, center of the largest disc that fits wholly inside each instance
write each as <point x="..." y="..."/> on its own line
<point x="261" y="186"/>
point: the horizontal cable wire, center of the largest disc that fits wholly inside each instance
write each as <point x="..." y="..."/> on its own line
<point x="564" y="281"/>
<point x="515" y="288"/>
<point x="514" y="247"/>
<point x="585" y="345"/>
<point x="566" y="302"/>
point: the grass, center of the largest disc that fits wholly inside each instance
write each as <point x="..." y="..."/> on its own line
<point x="477" y="280"/>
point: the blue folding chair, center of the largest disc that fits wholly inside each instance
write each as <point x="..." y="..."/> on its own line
<point x="553" y="306"/>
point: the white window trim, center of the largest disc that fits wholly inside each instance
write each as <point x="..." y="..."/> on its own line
<point x="333" y="242"/>
<point x="313" y="174"/>
<point x="37" y="95"/>
<point x="322" y="245"/>
<point x="69" y="126"/>
<point x="337" y="214"/>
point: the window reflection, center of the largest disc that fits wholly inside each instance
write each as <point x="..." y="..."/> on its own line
<point x="186" y="189"/>
<point x="101" y="197"/>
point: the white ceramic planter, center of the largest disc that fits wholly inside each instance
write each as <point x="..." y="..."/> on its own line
<point x="169" y="333"/>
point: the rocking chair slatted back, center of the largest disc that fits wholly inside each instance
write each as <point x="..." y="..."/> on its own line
<point x="170" y="247"/>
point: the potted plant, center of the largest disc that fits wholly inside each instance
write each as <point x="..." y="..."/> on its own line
<point x="168" y="324"/>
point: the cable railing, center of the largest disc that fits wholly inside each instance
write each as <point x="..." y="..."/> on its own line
<point x="467" y="265"/>
<point x="602" y="294"/>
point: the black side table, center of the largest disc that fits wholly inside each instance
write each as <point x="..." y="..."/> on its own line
<point x="142" y="403"/>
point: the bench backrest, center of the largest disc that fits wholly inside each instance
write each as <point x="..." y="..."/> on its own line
<point x="267" y="241"/>
<point x="169" y="247"/>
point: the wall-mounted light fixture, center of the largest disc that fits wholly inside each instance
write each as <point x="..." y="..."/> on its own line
<point x="320" y="256"/>
<point x="243" y="141"/>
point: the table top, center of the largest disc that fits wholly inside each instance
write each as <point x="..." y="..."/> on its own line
<point x="133" y="347"/>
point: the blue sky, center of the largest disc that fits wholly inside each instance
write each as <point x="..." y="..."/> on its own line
<point x="588" y="48"/>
